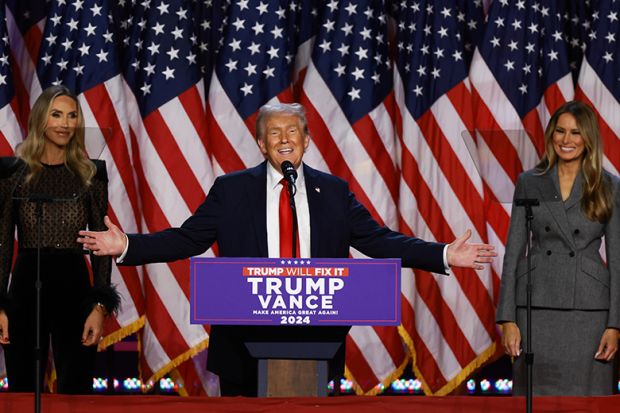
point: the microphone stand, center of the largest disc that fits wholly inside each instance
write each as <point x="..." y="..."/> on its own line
<point x="38" y="287"/>
<point x="38" y="200"/>
<point x="292" y="190"/>
<point x="529" y="355"/>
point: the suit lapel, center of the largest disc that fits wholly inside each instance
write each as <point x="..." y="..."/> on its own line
<point x="575" y="194"/>
<point x="257" y="205"/>
<point x="313" y="191"/>
<point x="549" y="188"/>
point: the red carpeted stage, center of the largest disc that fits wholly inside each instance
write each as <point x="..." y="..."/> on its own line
<point x="23" y="403"/>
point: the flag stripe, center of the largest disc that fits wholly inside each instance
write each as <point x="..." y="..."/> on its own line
<point x="171" y="156"/>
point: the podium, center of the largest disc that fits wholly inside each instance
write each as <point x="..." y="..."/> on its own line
<point x="306" y="306"/>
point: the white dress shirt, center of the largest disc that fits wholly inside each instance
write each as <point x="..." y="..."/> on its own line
<point x="273" y="207"/>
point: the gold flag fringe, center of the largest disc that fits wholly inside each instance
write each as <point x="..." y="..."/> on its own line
<point x="173" y="363"/>
<point x="395" y="374"/>
<point x="455" y="381"/>
<point x="120" y="334"/>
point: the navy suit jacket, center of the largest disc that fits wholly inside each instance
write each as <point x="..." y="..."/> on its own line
<point x="234" y="215"/>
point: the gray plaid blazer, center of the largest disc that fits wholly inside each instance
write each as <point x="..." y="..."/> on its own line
<point x="568" y="271"/>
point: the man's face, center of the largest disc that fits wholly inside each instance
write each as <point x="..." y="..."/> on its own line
<point x="283" y="140"/>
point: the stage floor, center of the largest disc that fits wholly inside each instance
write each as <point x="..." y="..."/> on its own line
<point x="52" y="403"/>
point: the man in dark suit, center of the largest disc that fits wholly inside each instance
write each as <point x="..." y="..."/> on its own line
<point x="241" y="214"/>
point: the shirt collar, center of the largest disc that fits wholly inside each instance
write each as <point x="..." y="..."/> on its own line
<point x="274" y="176"/>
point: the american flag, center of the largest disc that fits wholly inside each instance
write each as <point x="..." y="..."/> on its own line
<point x="10" y="132"/>
<point x="470" y="17"/>
<point x="164" y="91"/>
<point x="427" y="143"/>
<point x="599" y="79"/>
<point x="441" y="194"/>
<point x="347" y="93"/>
<point x="520" y="74"/>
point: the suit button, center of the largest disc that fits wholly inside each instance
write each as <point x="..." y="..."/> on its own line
<point x="548" y="252"/>
<point x="547" y="229"/>
<point x="572" y="253"/>
<point x="576" y="232"/>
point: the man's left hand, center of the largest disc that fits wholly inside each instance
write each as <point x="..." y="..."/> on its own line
<point x="468" y="255"/>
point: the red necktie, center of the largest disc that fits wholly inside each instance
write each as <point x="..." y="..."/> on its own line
<point x="286" y="224"/>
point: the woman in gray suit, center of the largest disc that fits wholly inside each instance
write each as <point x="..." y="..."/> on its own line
<point x="575" y="295"/>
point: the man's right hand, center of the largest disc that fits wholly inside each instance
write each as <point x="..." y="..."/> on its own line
<point x="111" y="242"/>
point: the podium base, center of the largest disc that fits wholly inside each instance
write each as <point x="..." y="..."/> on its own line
<point x="288" y="369"/>
<point x="292" y="378"/>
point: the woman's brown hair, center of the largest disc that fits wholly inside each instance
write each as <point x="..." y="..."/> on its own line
<point x="31" y="149"/>
<point x="596" y="199"/>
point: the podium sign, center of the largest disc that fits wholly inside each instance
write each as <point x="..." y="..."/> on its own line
<point x="314" y="291"/>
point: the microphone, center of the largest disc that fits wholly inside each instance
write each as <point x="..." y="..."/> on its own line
<point x="289" y="172"/>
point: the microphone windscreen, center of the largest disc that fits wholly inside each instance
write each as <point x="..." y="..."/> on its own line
<point x="288" y="170"/>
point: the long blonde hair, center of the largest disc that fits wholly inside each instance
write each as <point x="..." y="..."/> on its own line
<point x="596" y="199"/>
<point x="31" y="149"/>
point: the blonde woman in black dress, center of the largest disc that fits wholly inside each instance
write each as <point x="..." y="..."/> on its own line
<point x="52" y="164"/>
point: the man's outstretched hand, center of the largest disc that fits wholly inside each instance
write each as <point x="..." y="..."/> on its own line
<point x="469" y="255"/>
<point x="110" y="242"/>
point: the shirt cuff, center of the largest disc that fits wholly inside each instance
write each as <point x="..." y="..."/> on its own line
<point x="446" y="266"/>
<point x="120" y="258"/>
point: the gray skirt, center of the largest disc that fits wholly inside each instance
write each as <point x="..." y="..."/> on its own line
<point x="564" y="343"/>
